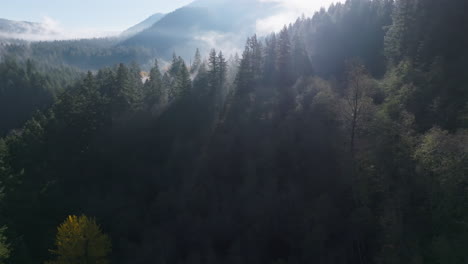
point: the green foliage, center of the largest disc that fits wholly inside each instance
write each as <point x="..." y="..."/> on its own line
<point x="348" y="30"/>
<point x="177" y="79"/>
<point x="183" y="84"/>
<point x="283" y="60"/>
<point x="84" y="54"/>
<point x="446" y="156"/>
<point x="154" y="90"/>
<point x="23" y="90"/>
<point x="197" y="62"/>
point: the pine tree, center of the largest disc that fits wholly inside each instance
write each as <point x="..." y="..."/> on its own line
<point x="196" y="62"/>
<point x="270" y="59"/>
<point x="121" y="90"/>
<point x="167" y="86"/>
<point x="256" y="61"/>
<point x="213" y="71"/>
<point x="89" y="82"/>
<point x="154" y="92"/>
<point x="400" y="36"/>
<point x="175" y="65"/>
<point x="201" y="81"/>
<point x="236" y="60"/>
<point x="106" y="82"/>
<point x="232" y="68"/>
<point x="96" y="105"/>
<point x="222" y="69"/>
<point x="183" y="84"/>
<point x="283" y="63"/>
<point x="244" y="79"/>
<point x="301" y="65"/>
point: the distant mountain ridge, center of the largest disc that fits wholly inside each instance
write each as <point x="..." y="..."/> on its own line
<point x="202" y="24"/>
<point x="12" y="26"/>
<point x="142" y="25"/>
<point x="10" y="29"/>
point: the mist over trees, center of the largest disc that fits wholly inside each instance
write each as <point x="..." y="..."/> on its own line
<point x="342" y="138"/>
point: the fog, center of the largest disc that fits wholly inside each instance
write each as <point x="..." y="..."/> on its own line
<point x="290" y="11"/>
<point x="50" y="29"/>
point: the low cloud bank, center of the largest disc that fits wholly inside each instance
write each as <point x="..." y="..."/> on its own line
<point x="50" y="29"/>
<point x="290" y="11"/>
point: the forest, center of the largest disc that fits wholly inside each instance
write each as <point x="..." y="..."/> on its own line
<point x="342" y="138"/>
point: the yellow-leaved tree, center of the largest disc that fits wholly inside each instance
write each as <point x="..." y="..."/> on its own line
<point x="4" y="247"/>
<point x="80" y="240"/>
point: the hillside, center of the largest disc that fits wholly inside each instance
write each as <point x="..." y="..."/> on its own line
<point x="202" y="24"/>
<point x="142" y="25"/>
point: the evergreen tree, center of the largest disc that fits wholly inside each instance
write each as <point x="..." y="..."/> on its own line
<point x="301" y="65"/>
<point x="214" y="72"/>
<point x="245" y="76"/>
<point x="23" y="90"/>
<point x="154" y="92"/>
<point x="121" y="91"/>
<point x="127" y="91"/>
<point x="175" y="65"/>
<point x="106" y="81"/>
<point x="183" y="83"/>
<point x="233" y="65"/>
<point x="256" y="61"/>
<point x="201" y="82"/>
<point x="197" y="61"/>
<point x="283" y="63"/>
<point x="398" y="38"/>
<point x="222" y="69"/>
<point x="167" y="85"/>
<point x="270" y="59"/>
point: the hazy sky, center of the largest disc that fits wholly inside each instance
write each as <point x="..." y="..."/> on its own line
<point x="90" y="18"/>
<point x="97" y="15"/>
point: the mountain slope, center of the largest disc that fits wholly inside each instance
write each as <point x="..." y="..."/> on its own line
<point x="203" y="24"/>
<point x="142" y="25"/>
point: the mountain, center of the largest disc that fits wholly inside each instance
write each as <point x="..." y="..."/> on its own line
<point x="142" y="25"/>
<point x="10" y="29"/>
<point x="204" y="24"/>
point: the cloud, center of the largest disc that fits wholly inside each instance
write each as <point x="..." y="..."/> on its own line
<point x="50" y="29"/>
<point x="229" y="43"/>
<point x="290" y="11"/>
<point x="51" y="26"/>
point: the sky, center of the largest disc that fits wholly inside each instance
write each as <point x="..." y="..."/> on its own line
<point x="86" y="16"/>
<point x="96" y="18"/>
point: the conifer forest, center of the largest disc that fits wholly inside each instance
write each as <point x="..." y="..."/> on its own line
<point x="342" y="137"/>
